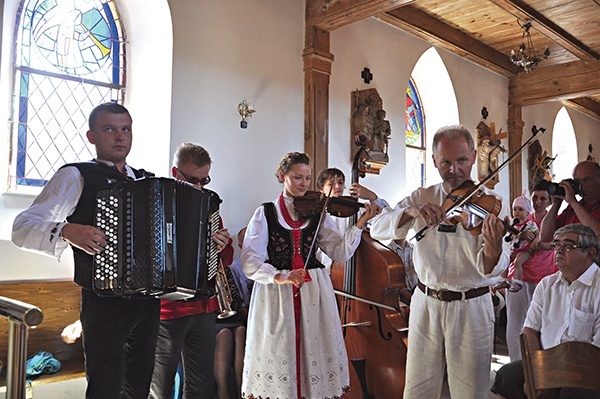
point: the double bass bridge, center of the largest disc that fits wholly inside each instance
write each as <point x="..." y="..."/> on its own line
<point x="357" y="324"/>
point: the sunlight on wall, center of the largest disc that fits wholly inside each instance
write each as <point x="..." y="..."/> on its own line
<point x="564" y="146"/>
<point x="439" y="104"/>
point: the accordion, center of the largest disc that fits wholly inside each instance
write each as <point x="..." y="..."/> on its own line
<point x="159" y="240"/>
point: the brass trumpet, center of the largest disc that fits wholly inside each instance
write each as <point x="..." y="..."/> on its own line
<point x="224" y="295"/>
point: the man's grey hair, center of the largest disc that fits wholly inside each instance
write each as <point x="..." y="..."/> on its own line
<point x="451" y="132"/>
<point x="587" y="237"/>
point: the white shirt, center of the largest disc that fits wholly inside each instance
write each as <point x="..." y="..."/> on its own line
<point x="38" y="227"/>
<point x="330" y="240"/>
<point x="564" y="312"/>
<point x="443" y="260"/>
<point x="343" y="224"/>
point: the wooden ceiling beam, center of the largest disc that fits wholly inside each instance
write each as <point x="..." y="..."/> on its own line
<point x="585" y="105"/>
<point x="428" y="28"/>
<point x="558" y="83"/>
<point x="332" y="14"/>
<point x="548" y="28"/>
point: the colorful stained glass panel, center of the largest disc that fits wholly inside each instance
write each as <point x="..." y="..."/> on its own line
<point x="69" y="58"/>
<point x="414" y="116"/>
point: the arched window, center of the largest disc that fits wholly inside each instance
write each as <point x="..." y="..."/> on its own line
<point x="564" y="146"/>
<point x="430" y="83"/>
<point x="69" y="57"/>
<point x="415" y="138"/>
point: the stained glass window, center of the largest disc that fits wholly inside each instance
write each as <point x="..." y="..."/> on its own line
<point x="69" y="57"/>
<point x="415" y="138"/>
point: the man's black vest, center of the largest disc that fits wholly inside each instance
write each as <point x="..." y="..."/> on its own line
<point x="95" y="175"/>
<point x="280" y="249"/>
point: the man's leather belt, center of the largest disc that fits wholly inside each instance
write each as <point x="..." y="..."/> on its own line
<point x="448" y="296"/>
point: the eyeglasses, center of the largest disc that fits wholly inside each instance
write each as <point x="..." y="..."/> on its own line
<point x="564" y="245"/>
<point x="194" y="180"/>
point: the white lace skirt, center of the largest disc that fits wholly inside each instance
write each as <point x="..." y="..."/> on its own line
<point x="270" y="358"/>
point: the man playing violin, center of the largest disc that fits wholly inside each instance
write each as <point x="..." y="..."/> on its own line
<point x="452" y="316"/>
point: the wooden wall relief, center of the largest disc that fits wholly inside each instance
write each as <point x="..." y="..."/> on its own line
<point x="489" y="147"/>
<point x="368" y="117"/>
<point x="539" y="164"/>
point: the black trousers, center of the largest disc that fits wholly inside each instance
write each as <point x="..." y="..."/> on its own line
<point x="119" y="340"/>
<point x="510" y="379"/>
<point x="191" y="338"/>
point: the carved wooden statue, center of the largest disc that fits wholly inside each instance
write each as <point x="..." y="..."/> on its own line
<point x="368" y="117"/>
<point x="539" y="163"/>
<point x="489" y="147"/>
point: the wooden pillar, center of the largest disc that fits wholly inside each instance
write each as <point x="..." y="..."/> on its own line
<point x="317" y="69"/>
<point x="515" y="140"/>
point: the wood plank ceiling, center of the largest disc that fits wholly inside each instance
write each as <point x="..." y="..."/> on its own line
<point x="483" y="31"/>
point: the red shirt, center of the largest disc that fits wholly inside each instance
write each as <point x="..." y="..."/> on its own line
<point x="177" y="309"/>
<point x="568" y="216"/>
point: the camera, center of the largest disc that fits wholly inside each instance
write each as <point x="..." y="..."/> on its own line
<point x="555" y="189"/>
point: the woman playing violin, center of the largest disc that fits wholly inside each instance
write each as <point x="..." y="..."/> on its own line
<point x="295" y="347"/>
<point x="452" y="316"/>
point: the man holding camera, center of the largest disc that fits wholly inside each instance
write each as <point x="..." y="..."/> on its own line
<point x="586" y="178"/>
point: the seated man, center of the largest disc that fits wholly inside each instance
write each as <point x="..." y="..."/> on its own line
<point x="573" y="293"/>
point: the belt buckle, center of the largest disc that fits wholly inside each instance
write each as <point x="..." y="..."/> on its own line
<point x="437" y="294"/>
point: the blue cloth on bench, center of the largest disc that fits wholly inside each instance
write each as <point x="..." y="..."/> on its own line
<point x="41" y="363"/>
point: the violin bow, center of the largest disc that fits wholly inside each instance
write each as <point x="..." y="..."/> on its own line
<point x="419" y="236"/>
<point x="323" y="211"/>
<point x="312" y="245"/>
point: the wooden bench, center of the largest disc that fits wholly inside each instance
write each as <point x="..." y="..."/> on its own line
<point x="59" y="301"/>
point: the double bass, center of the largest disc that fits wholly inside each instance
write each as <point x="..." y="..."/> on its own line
<point x="373" y="298"/>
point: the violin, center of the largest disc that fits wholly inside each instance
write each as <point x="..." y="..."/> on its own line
<point x="313" y="202"/>
<point x="472" y="211"/>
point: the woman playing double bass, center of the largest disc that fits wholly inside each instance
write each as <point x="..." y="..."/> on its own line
<point x="295" y="347"/>
<point x="332" y="181"/>
<point x="451" y="318"/>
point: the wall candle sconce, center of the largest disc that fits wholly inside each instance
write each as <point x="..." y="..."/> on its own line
<point x="246" y="111"/>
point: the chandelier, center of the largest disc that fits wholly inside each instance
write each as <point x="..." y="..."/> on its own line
<point x="526" y="57"/>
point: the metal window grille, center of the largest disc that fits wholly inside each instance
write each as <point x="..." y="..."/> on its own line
<point x="69" y="57"/>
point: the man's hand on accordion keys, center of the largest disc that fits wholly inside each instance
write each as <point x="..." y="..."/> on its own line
<point x="221" y="238"/>
<point x="87" y="238"/>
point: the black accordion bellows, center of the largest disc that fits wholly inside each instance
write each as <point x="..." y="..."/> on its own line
<point x="159" y="240"/>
